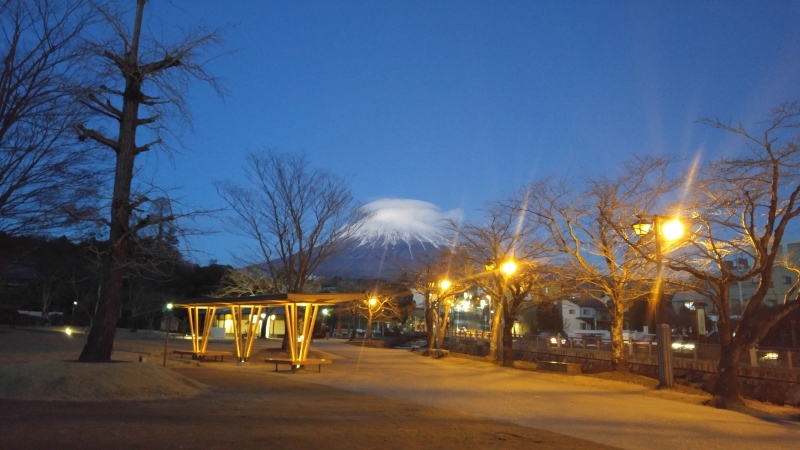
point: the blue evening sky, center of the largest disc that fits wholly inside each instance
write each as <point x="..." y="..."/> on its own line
<point x="460" y="102"/>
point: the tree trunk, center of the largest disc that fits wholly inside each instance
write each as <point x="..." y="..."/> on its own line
<point x="619" y="357"/>
<point x="726" y="386"/>
<point x="496" y="340"/>
<point x="442" y="328"/>
<point x="429" y="320"/>
<point x="508" y="339"/>
<point x="368" y="330"/>
<point x="100" y="341"/>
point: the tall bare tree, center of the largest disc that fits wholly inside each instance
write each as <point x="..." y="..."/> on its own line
<point x="46" y="176"/>
<point x="140" y="82"/>
<point x="590" y="230"/>
<point x="742" y="207"/>
<point x="298" y="216"/>
<point x="507" y="235"/>
<point x="426" y="279"/>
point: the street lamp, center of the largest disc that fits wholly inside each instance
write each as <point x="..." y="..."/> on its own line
<point x="166" y="335"/>
<point x="509" y="267"/>
<point x="670" y="230"/>
<point x="370" y="315"/>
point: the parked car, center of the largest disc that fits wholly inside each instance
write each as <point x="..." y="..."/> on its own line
<point x="682" y="344"/>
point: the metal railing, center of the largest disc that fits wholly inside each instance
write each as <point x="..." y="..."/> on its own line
<point x="783" y="358"/>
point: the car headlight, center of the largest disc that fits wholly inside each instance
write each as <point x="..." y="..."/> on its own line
<point x="677" y="345"/>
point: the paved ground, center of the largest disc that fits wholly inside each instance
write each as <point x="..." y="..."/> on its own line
<point x="247" y="407"/>
<point x="369" y="398"/>
<point x="622" y="418"/>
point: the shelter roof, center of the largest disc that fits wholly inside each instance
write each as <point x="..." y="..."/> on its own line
<point x="321" y="298"/>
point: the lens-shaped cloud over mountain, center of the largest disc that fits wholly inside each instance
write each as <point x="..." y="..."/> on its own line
<point x="397" y="233"/>
<point x="394" y="221"/>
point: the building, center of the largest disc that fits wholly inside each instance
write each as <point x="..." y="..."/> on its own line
<point x="584" y="314"/>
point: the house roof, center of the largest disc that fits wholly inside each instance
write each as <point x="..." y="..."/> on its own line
<point x="591" y="303"/>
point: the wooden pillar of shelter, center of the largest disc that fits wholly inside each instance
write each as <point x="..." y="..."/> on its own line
<point x="244" y="345"/>
<point x="299" y="350"/>
<point x="200" y="344"/>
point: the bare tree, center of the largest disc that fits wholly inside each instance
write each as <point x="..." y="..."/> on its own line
<point x="590" y="231"/>
<point x="246" y="282"/>
<point x="742" y="207"/>
<point x="46" y="176"/>
<point x="427" y="280"/>
<point x="506" y="237"/>
<point x="125" y="67"/>
<point x="298" y="216"/>
<point x="386" y="302"/>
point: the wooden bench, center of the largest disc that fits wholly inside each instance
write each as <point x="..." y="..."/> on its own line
<point x="295" y="363"/>
<point x="563" y="367"/>
<point x="435" y="352"/>
<point x="441" y="353"/>
<point x="203" y="356"/>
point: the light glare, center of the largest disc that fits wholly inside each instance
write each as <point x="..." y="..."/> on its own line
<point x="672" y="230"/>
<point x="509" y="267"/>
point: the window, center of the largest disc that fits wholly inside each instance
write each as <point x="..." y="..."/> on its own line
<point x="571" y="312"/>
<point x="787" y="280"/>
<point x="586" y="312"/>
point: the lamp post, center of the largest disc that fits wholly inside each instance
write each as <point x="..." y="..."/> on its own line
<point x="671" y="230"/>
<point x="166" y="335"/>
<point x="370" y="304"/>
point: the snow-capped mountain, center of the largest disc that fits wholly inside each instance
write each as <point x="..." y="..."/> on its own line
<point x="398" y="235"/>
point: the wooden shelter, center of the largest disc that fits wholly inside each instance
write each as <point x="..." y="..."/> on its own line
<point x="292" y="304"/>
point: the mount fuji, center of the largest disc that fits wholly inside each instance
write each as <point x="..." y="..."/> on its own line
<point x="398" y="235"/>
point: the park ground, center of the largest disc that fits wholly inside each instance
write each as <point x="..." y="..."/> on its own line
<point x="47" y="400"/>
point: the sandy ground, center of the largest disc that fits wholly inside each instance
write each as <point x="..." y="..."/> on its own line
<point x="47" y="400"/>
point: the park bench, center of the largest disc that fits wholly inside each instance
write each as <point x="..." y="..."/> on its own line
<point x="435" y="352"/>
<point x="203" y="356"/>
<point x="555" y="366"/>
<point x="295" y="363"/>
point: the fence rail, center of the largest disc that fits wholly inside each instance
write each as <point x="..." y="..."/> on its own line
<point x="776" y="358"/>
